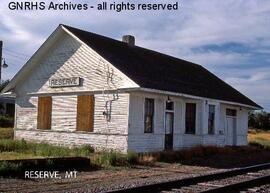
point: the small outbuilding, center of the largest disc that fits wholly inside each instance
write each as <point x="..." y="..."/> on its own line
<point x="7" y="106"/>
<point x="82" y="88"/>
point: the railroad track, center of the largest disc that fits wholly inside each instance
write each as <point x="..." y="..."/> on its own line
<point x="231" y="181"/>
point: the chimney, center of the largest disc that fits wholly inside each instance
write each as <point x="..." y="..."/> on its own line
<point x="129" y="39"/>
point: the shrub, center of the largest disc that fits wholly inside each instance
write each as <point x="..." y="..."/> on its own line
<point x="8" y="145"/>
<point x="84" y="150"/>
<point x="132" y="158"/>
<point x="108" y="159"/>
<point x="8" y="167"/>
<point x="116" y="159"/>
<point x="147" y="159"/>
<point x="260" y="144"/>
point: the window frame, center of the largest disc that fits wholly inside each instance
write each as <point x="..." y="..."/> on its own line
<point x="151" y="130"/>
<point x="191" y="131"/>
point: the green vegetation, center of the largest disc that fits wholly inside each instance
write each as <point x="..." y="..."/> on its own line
<point x="20" y="149"/>
<point x="259" y="120"/>
<point x="41" y="149"/>
<point x="258" y="151"/>
<point x="108" y="159"/>
<point x="8" y="167"/>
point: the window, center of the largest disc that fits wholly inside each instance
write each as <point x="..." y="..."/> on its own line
<point x="169" y="105"/>
<point x="190" y="118"/>
<point x="211" y="119"/>
<point x="169" y="117"/>
<point x="44" y="113"/>
<point x="85" y="113"/>
<point x="149" y="115"/>
<point x="231" y="112"/>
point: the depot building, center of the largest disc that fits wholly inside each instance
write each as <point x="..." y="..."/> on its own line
<point x="83" y="88"/>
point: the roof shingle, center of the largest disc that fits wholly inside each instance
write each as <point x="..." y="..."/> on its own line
<point x="154" y="70"/>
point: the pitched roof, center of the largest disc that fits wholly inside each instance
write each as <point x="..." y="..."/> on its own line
<point x="154" y="70"/>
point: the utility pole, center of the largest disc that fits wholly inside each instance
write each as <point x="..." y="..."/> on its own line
<point x="1" y="49"/>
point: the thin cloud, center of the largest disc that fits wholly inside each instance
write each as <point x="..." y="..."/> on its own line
<point x="198" y="24"/>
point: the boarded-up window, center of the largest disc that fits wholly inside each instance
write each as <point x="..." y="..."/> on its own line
<point x="190" y="118"/>
<point x="44" y="113"/>
<point x="85" y="113"/>
<point x="149" y="108"/>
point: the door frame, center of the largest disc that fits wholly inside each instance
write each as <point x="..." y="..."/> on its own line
<point x="172" y="133"/>
<point x="234" y="132"/>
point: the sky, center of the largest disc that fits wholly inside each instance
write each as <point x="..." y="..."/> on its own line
<point x="230" y="38"/>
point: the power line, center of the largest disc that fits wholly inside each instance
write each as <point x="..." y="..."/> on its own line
<point x="16" y="56"/>
<point x="18" y="53"/>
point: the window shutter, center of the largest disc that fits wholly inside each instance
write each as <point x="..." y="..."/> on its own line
<point x="44" y="113"/>
<point x="85" y="113"/>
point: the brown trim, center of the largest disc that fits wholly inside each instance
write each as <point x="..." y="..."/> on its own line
<point x="44" y="113"/>
<point x="85" y="113"/>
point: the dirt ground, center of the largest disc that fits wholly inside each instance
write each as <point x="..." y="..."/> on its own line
<point x="103" y="180"/>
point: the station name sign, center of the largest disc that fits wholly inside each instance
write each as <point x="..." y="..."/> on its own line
<point x="64" y="82"/>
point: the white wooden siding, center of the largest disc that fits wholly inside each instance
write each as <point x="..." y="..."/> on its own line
<point x="146" y="142"/>
<point x="64" y="112"/>
<point x="69" y="58"/>
<point x="74" y="139"/>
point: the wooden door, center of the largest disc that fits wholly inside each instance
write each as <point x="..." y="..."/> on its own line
<point x="85" y="113"/>
<point x="44" y="113"/>
<point x="231" y="130"/>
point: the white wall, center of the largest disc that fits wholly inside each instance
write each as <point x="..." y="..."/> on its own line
<point x="69" y="58"/>
<point x="72" y="139"/>
<point x="241" y="123"/>
<point x="146" y="142"/>
<point x="138" y="140"/>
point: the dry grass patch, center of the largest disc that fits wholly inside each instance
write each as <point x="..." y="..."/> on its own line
<point x="259" y="137"/>
<point x="16" y="155"/>
<point x="6" y="133"/>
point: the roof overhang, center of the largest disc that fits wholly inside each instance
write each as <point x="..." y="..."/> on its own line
<point x="32" y="62"/>
<point x="140" y="89"/>
<point x="192" y="97"/>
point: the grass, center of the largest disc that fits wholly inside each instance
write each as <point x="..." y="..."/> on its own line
<point x="21" y="147"/>
<point x="259" y="138"/>
<point x="212" y="156"/>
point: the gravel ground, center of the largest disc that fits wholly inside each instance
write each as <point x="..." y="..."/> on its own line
<point x="212" y="184"/>
<point x="104" y="180"/>
<point x="261" y="189"/>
